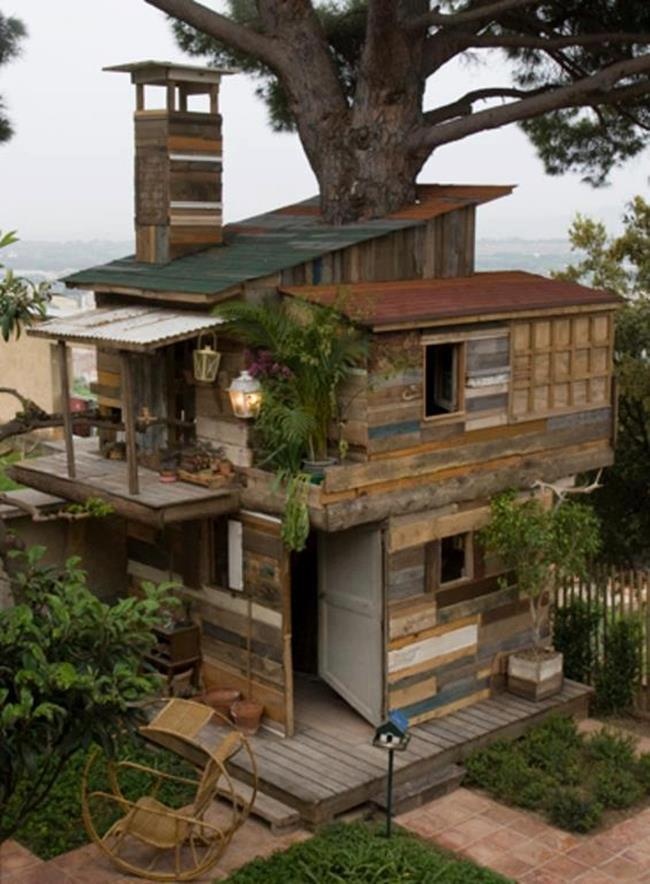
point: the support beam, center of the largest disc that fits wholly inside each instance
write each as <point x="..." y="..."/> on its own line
<point x="62" y="357"/>
<point x="128" y="417"/>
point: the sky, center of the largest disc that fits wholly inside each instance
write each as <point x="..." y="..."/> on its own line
<point x="67" y="173"/>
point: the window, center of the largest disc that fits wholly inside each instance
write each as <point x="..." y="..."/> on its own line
<point x="455" y="558"/>
<point x="442" y="394"/>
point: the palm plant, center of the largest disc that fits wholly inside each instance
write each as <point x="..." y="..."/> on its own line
<point x="301" y="354"/>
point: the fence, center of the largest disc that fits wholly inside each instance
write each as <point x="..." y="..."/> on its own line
<point x="606" y="596"/>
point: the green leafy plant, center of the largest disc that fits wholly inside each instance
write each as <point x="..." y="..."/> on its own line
<point x="618" y="674"/>
<point x="572" y="809"/>
<point x="93" y="507"/>
<point x="611" y="747"/>
<point x="71" y="673"/>
<point x="643" y="770"/>
<point x="354" y="852"/>
<point x="616" y="787"/>
<point x="295" y="524"/>
<point x="539" y="545"/>
<point x="576" y="632"/>
<point x="301" y="354"/>
<point x="21" y="301"/>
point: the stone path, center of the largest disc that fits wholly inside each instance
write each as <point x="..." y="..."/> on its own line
<point x="525" y="848"/>
<point x="88" y="866"/>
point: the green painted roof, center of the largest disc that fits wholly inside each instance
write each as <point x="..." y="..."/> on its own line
<point x="269" y="243"/>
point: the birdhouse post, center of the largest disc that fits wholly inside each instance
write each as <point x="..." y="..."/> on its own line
<point x="392" y="735"/>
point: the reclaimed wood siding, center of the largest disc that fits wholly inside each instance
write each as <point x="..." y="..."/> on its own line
<point x="246" y="634"/>
<point x="448" y="646"/>
<point x="440" y="247"/>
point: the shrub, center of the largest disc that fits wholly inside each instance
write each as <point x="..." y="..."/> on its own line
<point x="575" y="634"/>
<point x="642" y="770"/>
<point x="571" y="808"/>
<point x="615" y="786"/>
<point x="612" y="747"/>
<point x="554" y="748"/>
<point x="618" y="674"/>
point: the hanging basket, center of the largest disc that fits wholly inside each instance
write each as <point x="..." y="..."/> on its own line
<point x="206" y="362"/>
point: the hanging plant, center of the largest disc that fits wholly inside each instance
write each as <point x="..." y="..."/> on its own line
<point x="295" y="524"/>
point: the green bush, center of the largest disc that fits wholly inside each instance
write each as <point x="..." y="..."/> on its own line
<point x="619" y="672"/>
<point x="572" y="809"/>
<point x="360" y="854"/>
<point x="575" y="633"/>
<point x="554" y="747"/>
<point x="642" y="770"/>
<point x="615" y="786"/>
<point x="612" y="747"/>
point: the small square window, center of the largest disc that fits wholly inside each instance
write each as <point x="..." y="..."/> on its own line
<point x="455" y="558"/>
<point x="442" y="388"/>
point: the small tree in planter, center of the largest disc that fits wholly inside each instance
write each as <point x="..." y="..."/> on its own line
<point x="539" y="546"/>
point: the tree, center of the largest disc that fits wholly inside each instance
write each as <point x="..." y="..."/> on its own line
<point x="622" y="264"/>
<point x="539" y="545"/>
<point x="350" y="76"/>
<point x="12" y="32"/>
<point x="70" y="675"/>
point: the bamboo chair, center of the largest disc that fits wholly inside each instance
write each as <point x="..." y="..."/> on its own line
<point x="193" y="844"/>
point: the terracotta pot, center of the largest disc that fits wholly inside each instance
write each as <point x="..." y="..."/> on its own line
<point x="168" y="476"/>
<point x="221" y="699"/>
<point x="247" y="715"/>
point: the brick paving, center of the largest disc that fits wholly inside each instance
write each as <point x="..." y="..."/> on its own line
<point x="527" y="849"/>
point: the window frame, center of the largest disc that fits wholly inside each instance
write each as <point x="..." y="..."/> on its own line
<point x="460" y="344"/>
<point x="433" y="563"/>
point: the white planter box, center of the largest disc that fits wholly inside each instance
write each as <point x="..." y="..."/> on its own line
<point x="533" y="678"/>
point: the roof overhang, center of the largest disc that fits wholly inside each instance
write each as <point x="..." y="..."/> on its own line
<point x="134" y="327"/>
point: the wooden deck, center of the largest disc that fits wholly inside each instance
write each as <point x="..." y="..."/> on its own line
<point x="157" y="503"/>
<point x="323" y="773"/>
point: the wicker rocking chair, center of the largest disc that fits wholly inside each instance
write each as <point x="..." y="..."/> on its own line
<point x="189" y="842"/>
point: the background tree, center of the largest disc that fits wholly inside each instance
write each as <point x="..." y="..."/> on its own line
<point x="12" y="32"/>
<point x="70" y="675"/>
<point x="350" y="76"/>
<point x="622" y="263"/>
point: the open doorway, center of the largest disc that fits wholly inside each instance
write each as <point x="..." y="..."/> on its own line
<point x="336" y="613"/>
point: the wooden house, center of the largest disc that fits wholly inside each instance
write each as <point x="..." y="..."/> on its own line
<point x="474" y="383"/>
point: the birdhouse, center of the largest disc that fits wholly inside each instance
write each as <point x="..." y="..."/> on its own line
<point x="393" y="734"/>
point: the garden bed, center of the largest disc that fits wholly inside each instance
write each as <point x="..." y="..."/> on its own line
<point x="57" y="827"/>
<point x="576" y="781"/>
<point x="361" y="854"/>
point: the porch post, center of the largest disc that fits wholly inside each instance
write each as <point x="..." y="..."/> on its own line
<point x="62" y="357"/>
<point x="128" y="417"/>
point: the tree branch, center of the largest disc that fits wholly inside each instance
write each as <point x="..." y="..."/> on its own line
<point x="515" y="41"/>
<point x="469" y="16"/>
<point x="463" y="105"/>
<point x="240" y="37"/>
<point x="597" y="88"/>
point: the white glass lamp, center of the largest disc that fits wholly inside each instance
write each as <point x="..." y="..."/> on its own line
<point x="245" y="396"/>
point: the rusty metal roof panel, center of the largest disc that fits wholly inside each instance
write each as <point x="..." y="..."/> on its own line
<point x="412" y="302"/>
<point x="272" y="242"/>
<point x="127" y="328"/>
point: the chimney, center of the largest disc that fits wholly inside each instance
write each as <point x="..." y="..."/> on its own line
<point x="178" y="155"/>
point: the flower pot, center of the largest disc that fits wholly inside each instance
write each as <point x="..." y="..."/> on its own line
<point x="316" y="468"/>
<point x="247" y="715"/>
<point x="221" y="699"/>
<point x="535" y="675"/>
<point x="168" y="476"/>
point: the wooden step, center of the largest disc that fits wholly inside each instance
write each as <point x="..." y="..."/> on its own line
<point x="279" y="816"/>
<point x="416" y="792"/>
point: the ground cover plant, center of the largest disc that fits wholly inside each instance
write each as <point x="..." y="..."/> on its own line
<point x="361" y="854"/>
<point x="569" y="777"/>
<point x="56" y="825"/>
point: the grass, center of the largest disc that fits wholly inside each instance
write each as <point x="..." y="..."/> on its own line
<point x="57" y="827"/>
<point x="361" y="854"/>
<point x="570" y="778"/>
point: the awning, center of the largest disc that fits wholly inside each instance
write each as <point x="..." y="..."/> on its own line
<point x="127" y="328"/>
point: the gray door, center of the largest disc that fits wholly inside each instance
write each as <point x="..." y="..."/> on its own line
<point x="350" y="618"/>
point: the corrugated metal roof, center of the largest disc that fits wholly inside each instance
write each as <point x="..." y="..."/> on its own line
<point x="274" y="241"/>
<point x="405" y="303"/>
<point x="127" y="328"/>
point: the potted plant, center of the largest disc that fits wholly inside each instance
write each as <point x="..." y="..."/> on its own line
<point x="538" y="546"/>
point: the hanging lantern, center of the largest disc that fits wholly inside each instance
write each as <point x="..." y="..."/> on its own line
<point x="206" y="362"/>
<point x="245" y="396"/>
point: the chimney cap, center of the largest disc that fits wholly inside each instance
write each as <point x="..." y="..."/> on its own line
<point x="160" y="73"/>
